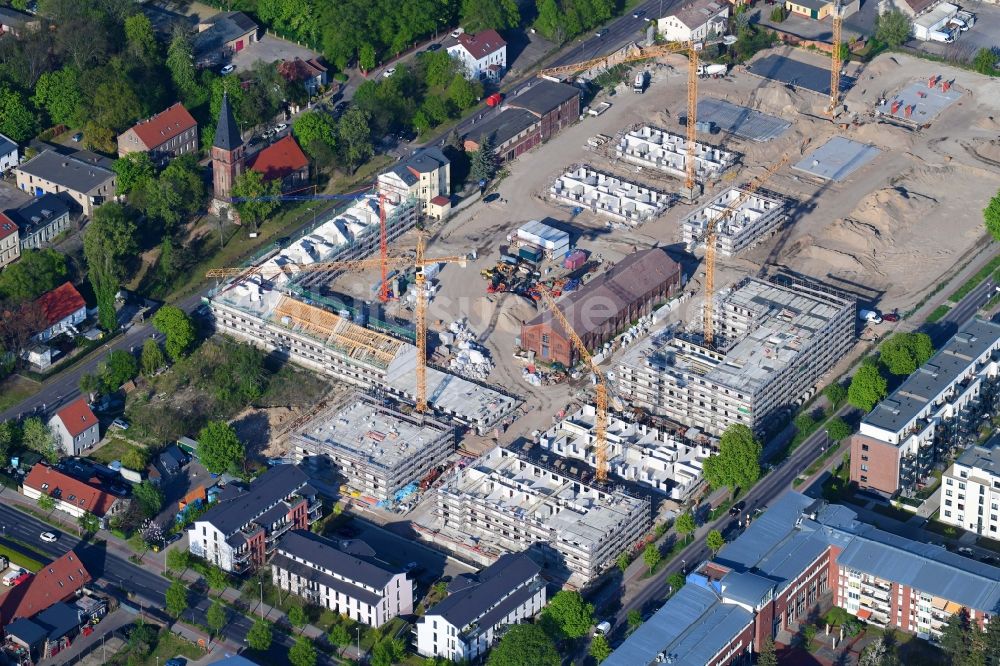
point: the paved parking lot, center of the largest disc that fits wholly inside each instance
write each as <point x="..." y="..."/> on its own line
<point x="269" y="49"/>
<point x="10" y="196"/>
<point x="985" y="34"/>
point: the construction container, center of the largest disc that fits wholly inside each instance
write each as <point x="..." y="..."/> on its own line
<point x="532" y="254"/>
<point x="705" y="126"/>
<point x="575" y="260"/>
<point x="550" y="239"/>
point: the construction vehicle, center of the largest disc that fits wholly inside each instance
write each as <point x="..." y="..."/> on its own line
<point x="601" y="416"/>
<point x="419" y="262"/>
<point x="639" y="85"/>
<point x="712" y="70"/>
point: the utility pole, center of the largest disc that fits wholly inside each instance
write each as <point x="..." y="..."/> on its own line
<point x="261" y="584"/>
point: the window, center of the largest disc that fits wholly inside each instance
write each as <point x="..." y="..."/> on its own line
<point x="864" y="467"/>
<point x="864" y="447"/>
<point x="864" y="479"/>
<point x="948" y="514"/>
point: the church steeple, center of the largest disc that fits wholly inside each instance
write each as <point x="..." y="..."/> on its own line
<point x="227" y="152"/>
<point x="227" y="132"/>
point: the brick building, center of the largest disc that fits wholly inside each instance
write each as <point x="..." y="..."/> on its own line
<point x="283" y="160"/>
<point x="169" y="133"/>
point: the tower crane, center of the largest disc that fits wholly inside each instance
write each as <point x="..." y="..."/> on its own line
<point x="420" y="263"/>
<point x="601" y="416"/>
<point x="835" y="61"/>
<point x="636" y="52"/>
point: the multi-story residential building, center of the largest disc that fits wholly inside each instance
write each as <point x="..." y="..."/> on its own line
<point x="769" y="580"/>
<point x="10" y="246"/>
<point x="662" y="460"/>
<point x="39" y="220"/>
<point x="170" y="133"/>
<point x="75" y="427"/>
<point x="970" y="490"/>
<point x="63" y="309"/>
<point x="695" y="21"/>
<point x="87" y="178"/>
<point x="241" y="531"/>
<point x="377" y="450"/>
<point x="483" y="55"/>
<point x="757" y="215"/>
<point x="935" y="409"/>
<point x="345" y="577"/>
<point x="478" y="607"/>
<point x="425" y="176"/>
<point x="504" y="503"/>
<point x="773" y="344"/>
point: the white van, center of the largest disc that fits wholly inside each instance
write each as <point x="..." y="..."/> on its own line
<point x="11" y="576"/>
<point x="602" y="629"/>
<point x="870" y="316"/>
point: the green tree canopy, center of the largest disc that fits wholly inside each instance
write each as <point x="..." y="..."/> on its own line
<point x="177" y="598"/>
<point x="37" y="272"/>
<point x="141" y="42"/>
<point x="714" y="541"/>
<point x="355" y="135"/>
<point x="768" y="655"/>
<point x="60" y="95"/>
<point x="297" y="616"/>
<point x="524" y="645"/>
<point x="387" y="652"/>
<point x="838" y="429"/>
<point x="152" y="358"/>
<point x="634" y="619"/>
<point x="302" y="653"/>
<point x="180" y="64"/>
<point x="484" y="161"/>
<point x="903" y="353"/>
<point x="685" y="524"/>
<point x="991" y="217"/>
<point x="737" y="464"/>
<point x="676" y="581"/>
<point x="599" y="648"/>
<point x="88" y="522"/>
<point x="177" y="326"/>
<point x="46" y="503"/>
<point x="313" y="128"/>
<point x="652" y="556"/>
<point x="480" y="15"/>
<point x="623" y="561"/>
<point x="567" y="615"/>
<point x="118" y="367"/>
<point x="985" y="61"/>
<point x="257" y="195"/>
<point x="868" y="386"/>
<point x="149" y="498"/>
<point x="215" y="617"/>
<point x="219" y="450"/>
<point x="17" y="120"/>
<point x="339" y="637"/>
<point x="259" y="636"/>
<point x="178" y="559"/>
<point x="836" y="394"/>
<point x="463" y="93"/>
<point x="132" y="171"/>
<point x="38" y="437"/>
<point x="135" y="458"/>
<point x="892" y="28"/>
<point x="108" y="245"/>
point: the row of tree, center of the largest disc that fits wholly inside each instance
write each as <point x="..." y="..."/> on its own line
<point x="900" y="355"/>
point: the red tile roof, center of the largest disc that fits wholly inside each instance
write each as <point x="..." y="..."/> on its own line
<point x="60" y="303"/>
<point x="299" y="69"/>
<point x="440" y="200"/>
<point x="282" y="158"/>
<point x="164" y="126"/>
<point x="67" y="489"/>
<point x="482" y="43"/>
<point x="7" y="226"/>
<point x="77" y="417"/>
<point x="55" y="582"/>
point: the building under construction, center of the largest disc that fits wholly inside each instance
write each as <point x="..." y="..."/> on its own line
<point x="773" y="343"/>
<point x="503" y="503"/>
<point x="754" y="218"/>
<point x="378" y="451"/>
<point x="658" y="149"/>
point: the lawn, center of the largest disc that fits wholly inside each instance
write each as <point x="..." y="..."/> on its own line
<point x="113" y="449"/>
<point x="15" y="389"/>
<point x="938" y="312"/>
<point x="975" y="280"/>
<point x="20" y="559"/>
<point x="170" y="645"/>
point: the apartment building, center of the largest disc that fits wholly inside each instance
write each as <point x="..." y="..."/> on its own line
<point x="169" y="133"/>
<point x="773" y="344"/>
<point x="504" y="503"/>
<point x="377" y="450"/>
<point x="935" y="409"/>
<point x="970" y="490"/>
<point x="73" y="496"/>
<point x="464" y="625"/>
<point x="737" y="229"/>
<point x="39" y="220"/>
<point x="769" y="580"/>
<point x="424" y="176"/>
<point x="10" y="246"/>
<point x="483" y="55"/>
<point x="345" y="577"/>
<point x="241" y="530"/>
<point x="85" y="177"/>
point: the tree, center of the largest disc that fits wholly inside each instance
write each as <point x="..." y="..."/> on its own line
<point x="16" y="118"/>
<point x="142" y="636"/>
<point x="180" y="63"/>
<point x="176" y="194"/>
<point x="37" y="272"/>
<point x="219" y="450"/>
<point x="302" y="653"/>
<point x="991" y="217"/>
<point x="714" y="541"/>
<point x="634" y="619"/>
<point x="892" y="28"/>
<point x="297" y="616"/>
<point x="258" y="196"/>
<point x="836" y="394"/>
<point x="567" y="615"/>
<point x="46" y="503"/>
<point x="366" y="57"/>
<point x="38" y="437"/>
<point x="355" y="135"/>
<point x="685" y="524"/>
<point x="768" y="655"/>
<point x="135" y="170"/>
<point x="151" y="533"/>
<point x="991" y="642"/>
<point x="259" y="636"/>
<point x="651" y="556"/>
<point x="804" y="422"/>
<point x="956" y="637"/>
<point x="215" y="617"/>
<point x="60" y="95"/>
<point x="524" y="645"/>
<point x="9" y="432"/>
<point x="837" y="429"/>
<point x="599" y="648"/>
<point x="152" y="358"/>
<point x="177" y="326"/>
<point x="623" y="561"/>
<point x="178" y="559"/>
<point x="985" y="61"/>
<point x="903" y="353"/>
<point x="177" y="598"/>
<point x="118" y="367"/>
<point x="313" y="128"/>
<point x="462" y="92"/>
<point x="868" y="386"/>
<point x="149" y="498"/>
<point x="339" y="637"/>
<point x="737" y="464"/>
<point x="676" y="580"/>
<point x="108" y="244"/>
<point x="135" y="458"/>
<point x="484" y="161"/>
<point x="480" y="15"/>
<point x="388" y="652"/>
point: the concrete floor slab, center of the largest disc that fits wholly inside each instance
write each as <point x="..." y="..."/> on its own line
<point x="925" y="102"/>
<point x="741" y="121"/>
<point x="799" y="74"/>
<point x="837" y="159"/>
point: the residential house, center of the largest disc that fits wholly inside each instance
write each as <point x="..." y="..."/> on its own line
<point x="240" y="532"/>
<point x="170" y="133"/>
<point x="16" y="23"/>
<point x="72" y="495"/>
<point x="820" y="9"/>
<point x="75" y="427"/>
<point x="63" y="308"/>
<point x="223" y="34"/>
<point x="483" y="55"/>
<point x="56" y="582"/>
<point x="48" y="632"/>
<point x="282" y="160"/>
<point x="310" y="73"/>
<point x="171" y="460"/>
<point x="39" y="220"/>
<point x="424" y="176"/>
<point x="8" y="152"/>
<point x="345" y="577"/>
<point x="10" y="246"/>
<point x="86" y="177"/>
<point x="695" y="21"/>
<point x="915" y="8"/>
<point x="464" y="626"/>
<point x="970" y="495"/>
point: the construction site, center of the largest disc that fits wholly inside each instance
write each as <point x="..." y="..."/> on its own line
<point x="658" y="149"/>
<point x="603" y="194"/>
<point x="741" y="219"/>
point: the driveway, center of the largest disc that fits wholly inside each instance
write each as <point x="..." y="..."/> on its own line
<point x="10" y="196"/>
<point x="985" y="34"/>
<point x="269" y="49"/>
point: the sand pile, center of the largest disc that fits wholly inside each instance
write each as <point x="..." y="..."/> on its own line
<point x="989" y="150"/>
<point x="891" y="209"/>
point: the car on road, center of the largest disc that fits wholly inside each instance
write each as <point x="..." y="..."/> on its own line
<point x="280" y="127"/>
<point x="737" y="508"/>
<point x="173" y="538"/>
<point x="228" y="69"/>
<point x="600" y="33"/>
<point x="77" y="137"/>
<point x="964" y="550"/>
<point x="457" y="33"/>
<point x="48" y="537"/>
<point x="121" y="424"/>
<point x="989" y="559"/>
<point x="602" y="628"/>
<point x="389" y="72"/>
<point x="638" y="14"/>
<point x="434" y="47"/>
<point x="890" y="316"/>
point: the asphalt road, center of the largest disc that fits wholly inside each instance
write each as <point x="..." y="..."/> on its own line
<point x="960" y="313"/>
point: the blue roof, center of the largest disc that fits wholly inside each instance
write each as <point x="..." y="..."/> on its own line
<point x="746" y="588"/>
<point x="691" y="628"/>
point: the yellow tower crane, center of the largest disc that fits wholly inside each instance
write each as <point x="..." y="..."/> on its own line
<point x="420" y="263"/>
<point x="835" y="61"/>
<point x="601" y="417"/>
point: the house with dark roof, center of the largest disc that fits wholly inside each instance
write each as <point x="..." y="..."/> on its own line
<point x="310" y="73"/>
<point x="426" y="176"/>
<point x="604" y="306"/>
<point x="72" y="495"/>
<point x="63" y="309"/>
<point x="75" y="427"/>
<point x="241" y="530"/>
<point x="47" y="633"/>
<point x="171" y="460"/>
<point x="10" y="245"/>
<point x="556" y="105"/>
<point x="483" y="55"/>
<point x="39" y="220"/>
<point x="87" y="178"/>
<point x="471" y="618"/>
<point x="8" y="153"/>
<point x="56" y="582"/>
<point x="169" y="133"/>
<point x="283" y="160"/>
<point x="345" y="577"/>
<point x="223" y="34"/>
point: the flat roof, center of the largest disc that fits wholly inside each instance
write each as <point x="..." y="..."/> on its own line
<point x="837" y="158"/>
<point x="926" y="103"/>
<point x="937" y="374"/>
<point x="502" y="127"/>
<point x="742" y="121"/>
<point x="799" y="74"/>
<point x="943" y="11"/>
<point x="983" y="456"/>
<point x="74" y="172"/>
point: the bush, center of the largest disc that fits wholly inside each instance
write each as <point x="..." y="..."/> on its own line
<point x="778" y="14"/>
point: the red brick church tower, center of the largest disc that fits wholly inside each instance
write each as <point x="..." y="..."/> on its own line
<point x="227" y="153"/>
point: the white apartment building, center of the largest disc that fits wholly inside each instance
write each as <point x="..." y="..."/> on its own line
<point x="654" y="148"/>
<point x="607" y="195"/>
<point x="8" y="154"/>
<point x="471" y="618"/>
<point x="695" y="21"/>
<point x="669" y="463"/>
<point x="756" y="216"/>
<point x="483" y="55"/>
<point x="345" y="577"/>
<point x="424" y="176"/>
<point x="970" y="491"/>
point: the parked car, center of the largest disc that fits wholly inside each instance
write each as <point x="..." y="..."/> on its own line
<point x="965" y="550"/>
<point x="173" y="538"/>
<point x="121" y="424"/>
<point x="389" y="72"/>
<point x="280" y="127"/>
<point x="890" y="316"/>
<point x="77" y="137"/>
<point x="228" y="69"/>
<point x="457" y="32"/>
<point x="48" y="537"/>
<point x="602" y="628"/>
<point x="737" y="508"/>
<point x="434" y="47"/>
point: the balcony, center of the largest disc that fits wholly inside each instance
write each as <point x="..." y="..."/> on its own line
<point x="276" y="533"/>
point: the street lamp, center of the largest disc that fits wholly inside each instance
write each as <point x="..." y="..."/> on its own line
<point x="260" y="583"/>
<point x="358" y="630"/>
